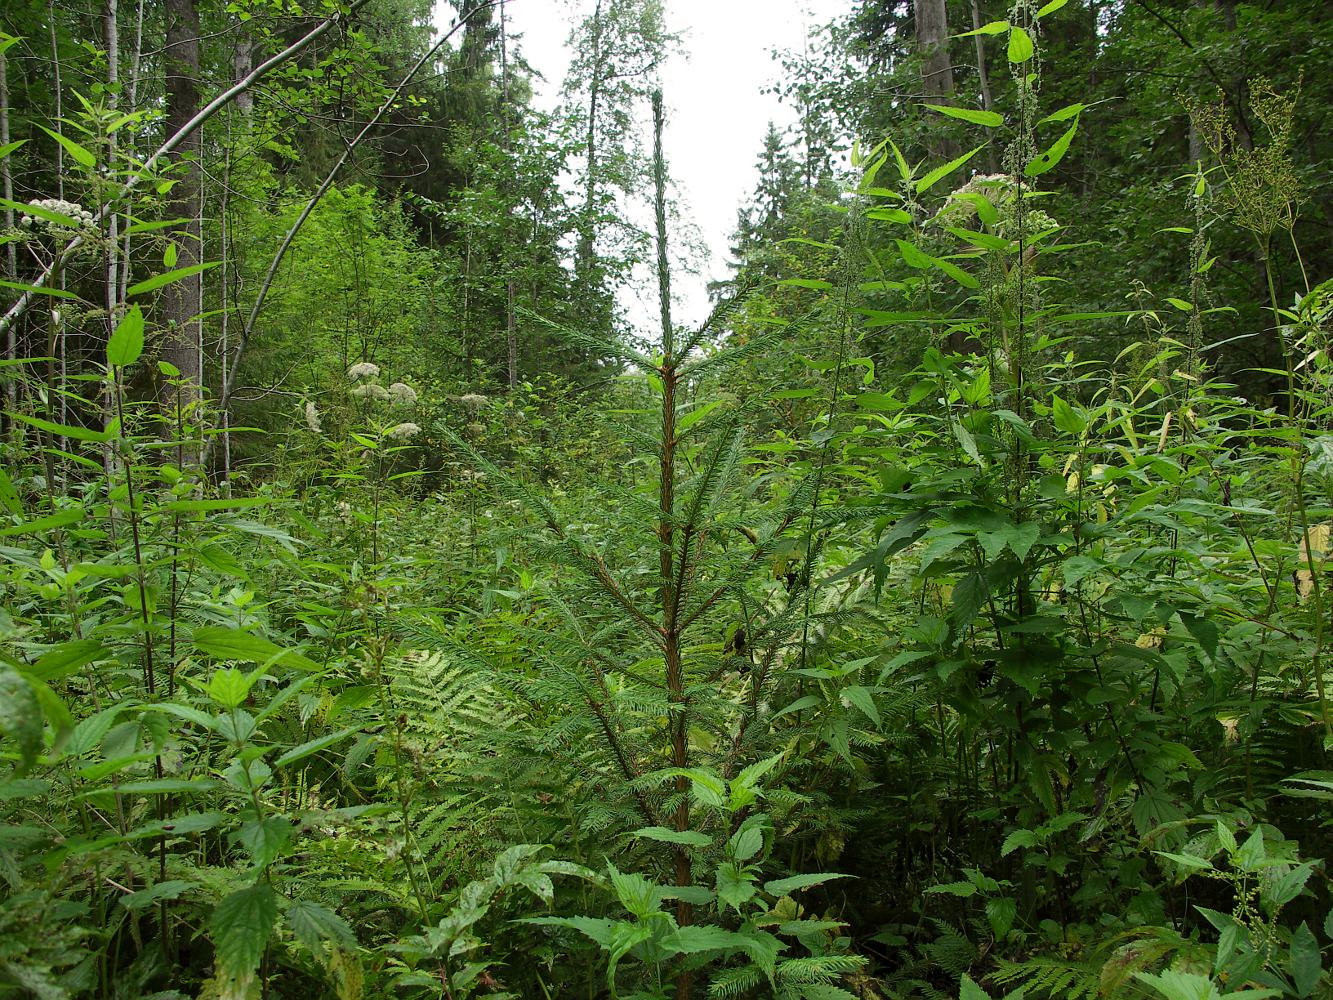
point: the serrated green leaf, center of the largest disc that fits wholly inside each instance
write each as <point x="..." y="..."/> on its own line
<point x="1021" y="48"/>
<point x="668" y="836"/>
<point x="939" y="173"/>
<point x="167" y="277"/>
<point x="1043" y="162"/>
<point x="241" y="926"/>
<point x="126" y="343"/>
<point x="237" y="644"/>
<point x="83" y="157"/>
<point x="795" y="883"/>
<point x="314" y="746"/>
<point x="989" y="119"/>
<point x="990" y="28"/>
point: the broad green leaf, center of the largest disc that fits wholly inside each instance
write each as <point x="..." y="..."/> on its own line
<point x="55" y="293"/>
<point x="237" y="644"/>
<point x="795" y="883"/>
<point x="691" y="940"/>
<point x="61" y="661"/>
<point x="9" y="496"/>
<point x="1305" y="964"/>
<point x="913" y="257"/>
<point x="904" y="171"/>
<point x="811" y="283"/>
<point x="313" y="924"/>
<point x="1187" y="860"/>
<point x="735" y="886"/>
<point x="1067" y="418"/>
<point x="1020" y="45"/>
<point x="44" y="524"/>
<point x="126" y="343"/>
<point x="956" y="273"/>
<point x="314" y="746"/>
<point x="939" y="173"/>
<point x="20" y="717"/>
<point x="1017" y="839"/>
<point x="1043" y="162"/>
<point x="265" y="840"/>
<point x="990" y="28"/>
<point x="969" y="990"/>
<point x="230" y="686"/>
<point x="215" y="556"/>
<point x="898" y="215"/>
<point x="990" y="119"/>
<point x="11" y="147"/>
<point x="241" y="926"/>
<point x="83" y="157"/>
<point x="1051" y="7"/>
<point x="961" y="889"/>
<point x="144" y="898"/>
<point x="167" y="277"/>
<point x="65" y="430"/>
<point x="862" y="699"/>
<point x="1064" y="114"/>
<point x="668" y="836"/>
<point x="695" y="415"/>
<point x="1001" y="913"/>
<point x="746" y="843"/>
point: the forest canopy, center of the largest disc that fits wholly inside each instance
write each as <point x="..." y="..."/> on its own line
<point x="387" y="610"/>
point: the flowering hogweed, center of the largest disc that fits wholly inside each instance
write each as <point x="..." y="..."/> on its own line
<point x="370" y="390"/>
<point x="402" y="394"/>
<point x="402" y="431"/>
<point x="363" y="370"/>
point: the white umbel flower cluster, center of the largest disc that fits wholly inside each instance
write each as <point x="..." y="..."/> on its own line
<point x="70" y="209"/>
<point x="402" y="432"/>
<point x="474" y="399"/>
<point x="363" y="370"/>
<point x="402" y="394"/>
<point x="312" y="417"/>
<point x="370" y="390"/>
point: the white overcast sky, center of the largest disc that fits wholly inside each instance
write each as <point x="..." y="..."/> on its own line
<point x="716" y="113"/>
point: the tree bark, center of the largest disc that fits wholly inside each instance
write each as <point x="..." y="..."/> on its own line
<point x="180" y="299"/>
<point x="587" y="229"/>
<point x="932" y="38"/>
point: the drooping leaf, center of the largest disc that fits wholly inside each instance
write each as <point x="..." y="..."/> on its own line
<point x="939" y="173"/>
<point x="126" y="343"/>
<point x="167" y="277"/>
<point x="82" y="156"/>
<point x="237" y="644"/>
<point x="990" y="28"/>
<point x="241" y="926"/>
<point x="20" y="716"/>
<point x="989" y="119"/>
<point x="1021" y="48"/>
<point x="667" y="836"/>
<point x="1043" y="162"/>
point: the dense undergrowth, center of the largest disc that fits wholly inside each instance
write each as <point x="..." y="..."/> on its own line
<point x="1002" y="672"/>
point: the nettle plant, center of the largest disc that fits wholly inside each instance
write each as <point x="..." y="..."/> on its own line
<point x="1109" y="591"/>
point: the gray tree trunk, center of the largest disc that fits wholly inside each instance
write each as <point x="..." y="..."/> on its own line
<point x="181" y="298"/>
<point x="932" y="38"/>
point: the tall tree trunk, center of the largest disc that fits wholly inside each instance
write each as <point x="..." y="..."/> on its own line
<point x="587" y="230"/>
<point x="983" y="78"/>
<point x="932" y="38"/>
<point x="131" y="104"/>
<point x="181" y="298"/>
